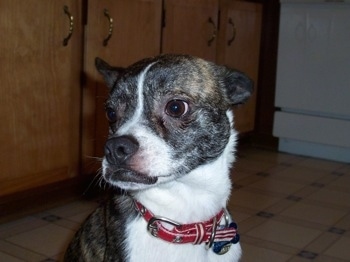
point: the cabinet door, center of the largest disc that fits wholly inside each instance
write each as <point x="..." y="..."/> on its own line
<point x="136" y="29"/>
<point x="239" y="45"/>
<point x="190" y="27"/>
<point x="40" y="93"/>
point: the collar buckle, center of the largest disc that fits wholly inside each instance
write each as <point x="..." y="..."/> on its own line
<point x="153" y="224"/>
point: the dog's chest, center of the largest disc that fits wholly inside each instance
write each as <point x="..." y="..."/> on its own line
<point x="142" y="246"/>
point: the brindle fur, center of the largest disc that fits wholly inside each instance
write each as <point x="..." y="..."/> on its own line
<point x="196" y="139"/>
<point x="102" y="236"/>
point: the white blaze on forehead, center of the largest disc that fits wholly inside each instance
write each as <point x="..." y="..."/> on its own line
<point x="151" y="146"/>
<point x="140" y="100"/>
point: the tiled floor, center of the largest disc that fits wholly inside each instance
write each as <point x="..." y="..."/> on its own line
<point x="288" y="208"/>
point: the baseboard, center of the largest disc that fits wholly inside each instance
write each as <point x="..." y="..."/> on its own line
<point x="45" y="197"/>
<point x="263" y="141"/>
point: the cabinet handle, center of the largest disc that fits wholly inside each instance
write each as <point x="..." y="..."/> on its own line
<point x="71" y="25"/>
<point x="110" y="29"/>
<point x="230" y="22"/>
<point x="213" y="36"/>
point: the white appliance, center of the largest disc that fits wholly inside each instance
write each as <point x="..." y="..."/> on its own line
<point x="313" y="79"/>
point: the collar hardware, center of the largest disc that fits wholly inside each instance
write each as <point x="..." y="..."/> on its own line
<point x="153" y="226"/>
<point x="212" y="233"/>
<point x="210" y="242"/>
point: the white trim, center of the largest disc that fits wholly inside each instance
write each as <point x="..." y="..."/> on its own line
<point x="334" y="153"/>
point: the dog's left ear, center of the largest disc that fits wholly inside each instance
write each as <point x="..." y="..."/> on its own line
<point x="237" y="86"/>
<point x="110" y="73"/>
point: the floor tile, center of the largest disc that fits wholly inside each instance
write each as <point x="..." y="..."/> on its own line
<point x="345" y="169"/>
<point x="341" y="199"/>
<point x="300" y="259"/>
<point x="7" y="258"/>
<point x="20" y="225"/>
<point x="251" y="253"/>
<point x="322" y="242"/>
<point x="58" y="257"/>
<point x="316" y="214"/>
<point x="243" y="164"/>
<point x="325" y="258"/>
<point x="238" y="174"/>
<point x="278" y="186"/>
<point x="281" y="205"/>
<point x="320" y="164"/>
<point x="340" y="249"/>
<point x="49" y="240"/>
<point x="249" y="199"/>
<point x="79" y="218"/>
<point x="69" y="224"/>
<point x="239" y="216"/>
<point x="344" y="223"/>
<point x="286" y="234"/>
<point x="270" y="156"/>
<point x="300" y="174"/>
<point x="20" y="252"/>
<point x="307" y="254"/>
<point x="246" y="181"/>
<point x="250" y="223"/>
<point x="74" y="208"/>
<point x="343" y="181"/>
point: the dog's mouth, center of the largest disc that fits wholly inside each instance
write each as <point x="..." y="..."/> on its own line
<point x="125" y="175"/>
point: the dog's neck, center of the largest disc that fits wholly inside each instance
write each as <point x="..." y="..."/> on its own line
<point x="197" y="196"/>
<point x="186" y="203"/>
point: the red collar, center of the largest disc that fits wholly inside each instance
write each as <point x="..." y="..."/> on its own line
<point x="209" y="232"/>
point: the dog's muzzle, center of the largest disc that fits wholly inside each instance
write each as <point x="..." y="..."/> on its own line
<point x="119" y="149"/>
<point x="118" y="153"/>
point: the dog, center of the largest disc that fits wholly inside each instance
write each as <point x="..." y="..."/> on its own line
<point x="170" y="148"/>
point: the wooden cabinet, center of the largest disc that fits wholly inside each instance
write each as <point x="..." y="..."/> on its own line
<point x="226" y="32"/>
<point x="52" y="98"/>
<point x="49" y="116"/>
<point x="40" y="93"/>
<point x="135" y="34"/>
<point x="201" y="28"/>
<point x="190" y="27"/>
<point x="238" y="47"/>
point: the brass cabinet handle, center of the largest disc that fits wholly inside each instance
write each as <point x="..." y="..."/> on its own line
<point x="213" y="36"/>
<point x="230" y="22"/>
<point x="71" y="25"/>
<point x="110" y="29"/>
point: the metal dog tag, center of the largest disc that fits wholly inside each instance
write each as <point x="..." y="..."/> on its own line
<point x="221" y="248"/>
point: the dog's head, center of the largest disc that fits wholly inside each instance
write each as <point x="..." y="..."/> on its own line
<point x="168" y="115"/>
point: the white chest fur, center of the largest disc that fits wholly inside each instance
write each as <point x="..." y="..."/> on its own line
<point x="194" y="197"/>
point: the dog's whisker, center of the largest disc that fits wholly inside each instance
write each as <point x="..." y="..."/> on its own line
<point x="93" y="181"/>
<point x="99" y="159"/>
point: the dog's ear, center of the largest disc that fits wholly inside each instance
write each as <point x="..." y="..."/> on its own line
<point x="110" y="73"/>
<point x="237" y="86"/>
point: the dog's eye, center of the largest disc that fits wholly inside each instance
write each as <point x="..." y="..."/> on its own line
<point x="111" y="115"/>
<point x="176" y="108"/>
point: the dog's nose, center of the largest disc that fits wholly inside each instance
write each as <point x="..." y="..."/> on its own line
<point x="119" y="149"/>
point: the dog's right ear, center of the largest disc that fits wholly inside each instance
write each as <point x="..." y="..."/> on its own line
<point x="109" y="73"/>
<point x="237" y="86"/>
